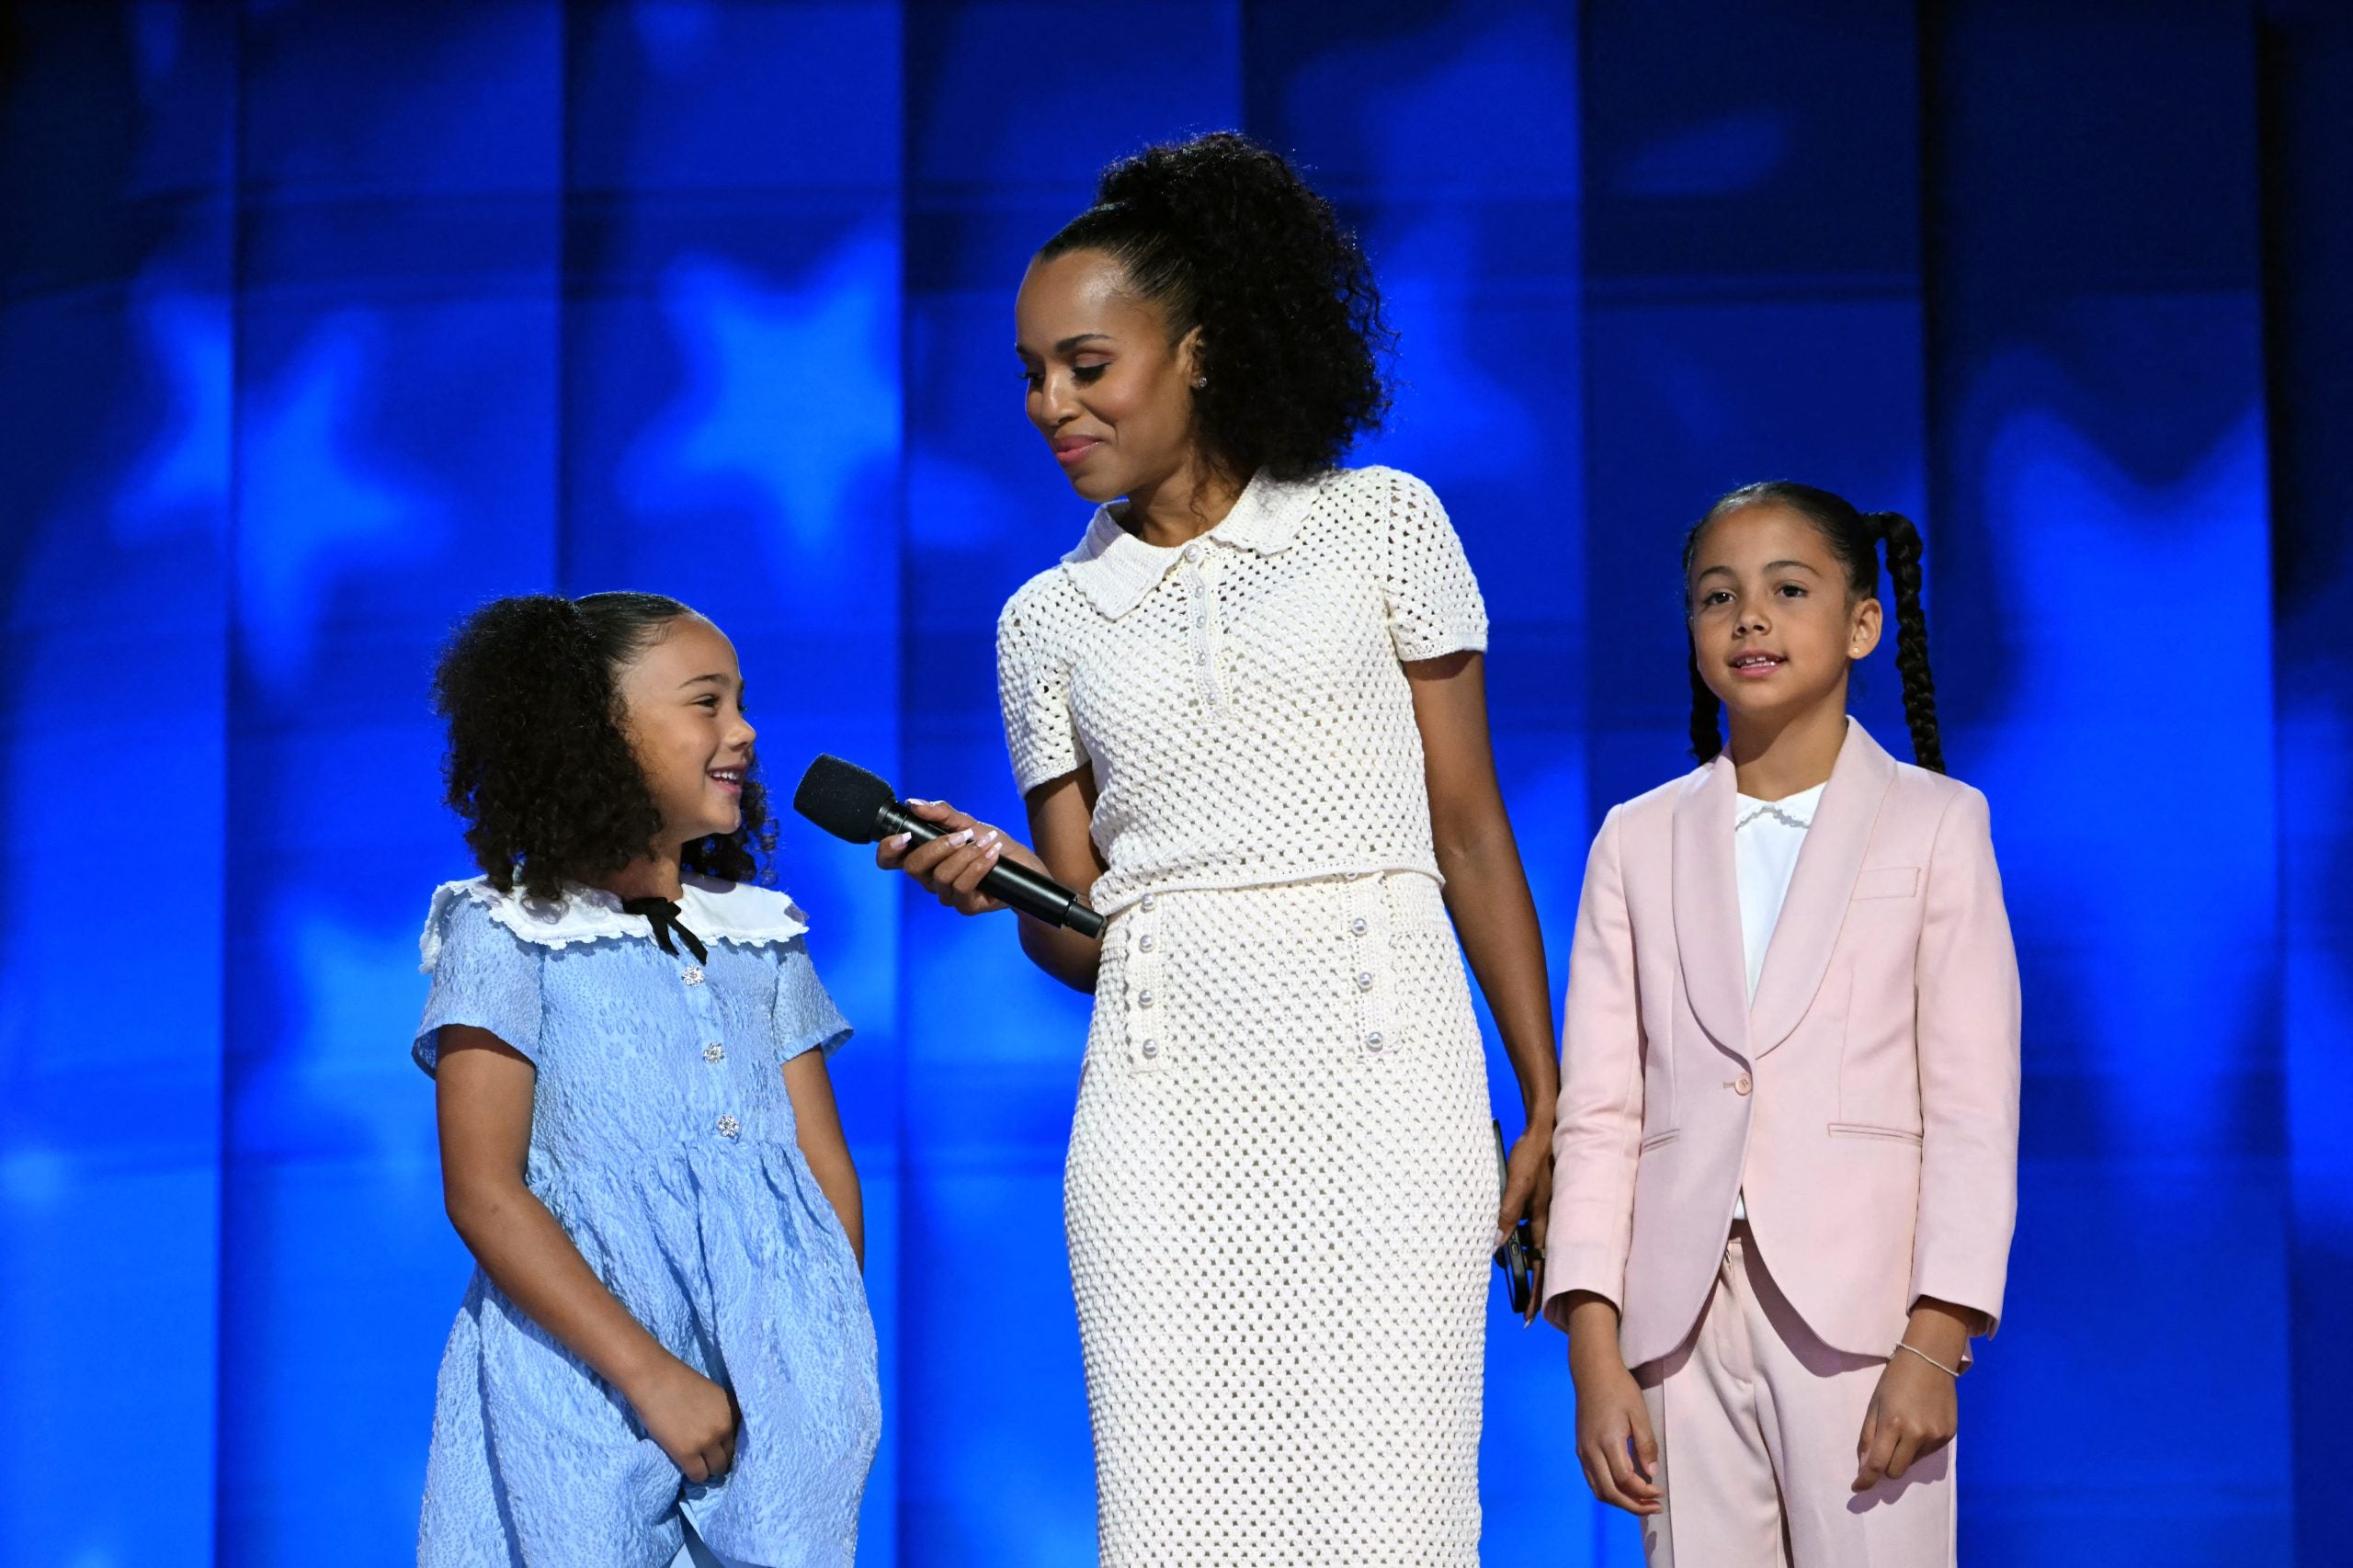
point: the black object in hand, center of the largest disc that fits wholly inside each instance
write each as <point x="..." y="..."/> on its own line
<point x="849" y="802"/>
<point x="1517" y="1257"/>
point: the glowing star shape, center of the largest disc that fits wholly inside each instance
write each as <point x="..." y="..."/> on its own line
<point x="310" y="509"/>
<point x="791" y="399"/>
<point x="186" y="468"/>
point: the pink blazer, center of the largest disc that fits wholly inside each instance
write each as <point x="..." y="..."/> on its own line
<point x="1867" y="1102"/>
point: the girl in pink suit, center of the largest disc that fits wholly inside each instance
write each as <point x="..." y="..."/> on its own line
<point x="1785" y="1158"/>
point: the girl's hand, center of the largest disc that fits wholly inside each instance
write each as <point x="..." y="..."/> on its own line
<point x="951" y="866"/>
<point x="1914" y="1412"/>
<point x="1615" y="1444"/>
<point x="1528" y="1193"/>
<point x="693" y="1418"/>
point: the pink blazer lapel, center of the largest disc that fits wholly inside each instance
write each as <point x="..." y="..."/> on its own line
<point x="1820" y="889"/>
<point x="1706" y="907"/>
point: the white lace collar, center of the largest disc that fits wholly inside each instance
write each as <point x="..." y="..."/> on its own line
<point x="1115" y="569"/>
<point x="713" y="910"/>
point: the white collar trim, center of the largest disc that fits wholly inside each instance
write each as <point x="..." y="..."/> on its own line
<point x="1115" y="570"/>
<point x="713" y="910"/>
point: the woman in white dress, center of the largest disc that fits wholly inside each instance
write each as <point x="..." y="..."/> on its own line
<point x="1247" y="715"/>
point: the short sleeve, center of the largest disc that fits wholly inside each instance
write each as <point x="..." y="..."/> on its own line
<point x="484" y="975"/>
<point x="803" y="1017"/>
<point x="1040" y="731"/>
<point x="1433" y="600"/>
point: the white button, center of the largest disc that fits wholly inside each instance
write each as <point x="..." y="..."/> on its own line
<point x="1200" y="658"/>
<point x="1152" y="1048"/>
<point x="714" y="1052"/>
<point x="1364" y="980"/>
<point x="1372" y="1040"/>
<point x="1146" y="943"/>
<point x="1350" y="876"/>
<point x="1150" y="903"/>
<point x="1200" y="617"/>
<point x="729" y="1127"/>
<point x="1144" y="999"/>
<point x="1193" y="553"/>
<point x="691" y="975"/>
<point x="1359" y="925"/>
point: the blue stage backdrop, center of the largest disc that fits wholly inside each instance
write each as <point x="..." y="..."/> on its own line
<point x="321" y="323"/>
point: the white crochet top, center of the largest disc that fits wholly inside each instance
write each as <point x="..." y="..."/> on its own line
<point x="1240" y="696"/>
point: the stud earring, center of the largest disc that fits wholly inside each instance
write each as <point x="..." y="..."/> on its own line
<point x="1199" y="382"/>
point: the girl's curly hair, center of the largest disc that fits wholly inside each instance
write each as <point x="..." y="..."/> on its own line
<point x="1223" y="234"/>
<point x="539" y="764"/>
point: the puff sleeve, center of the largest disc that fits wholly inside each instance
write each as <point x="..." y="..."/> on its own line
<point x="803" y="1017"/>
<point x="484" y="975"/>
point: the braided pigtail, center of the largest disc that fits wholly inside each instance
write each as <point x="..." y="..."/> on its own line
<point x="1902" y="540"/>
<point x="1707" y="736"/>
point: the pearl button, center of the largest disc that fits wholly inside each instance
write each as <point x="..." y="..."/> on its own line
<point x="1364" y="980"/>
<point x="714" y="1052"/>
<point x="1372" y="1040"/>
<point x="729" y="1127"/>
<point x="1144" y="999"/>
<point x="691" y="975"/>
<point x="1359" y="925"/>
<point x="1152" y="1048"/>
<point x="1200" y="617"/>
<point x="1742" y="1085"/>
<point x="1146" y="943"/>
<point x="1150" y="903"/>
<point x="1193" y="553"/>
<point x="1200" y="658"/>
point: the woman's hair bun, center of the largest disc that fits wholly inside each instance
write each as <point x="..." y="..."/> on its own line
<point x="1225" y="235"/>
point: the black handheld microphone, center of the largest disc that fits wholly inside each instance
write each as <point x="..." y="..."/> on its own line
<point x="849" y="802"/>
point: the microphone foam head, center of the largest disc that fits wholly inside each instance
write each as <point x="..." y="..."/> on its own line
<point x="843" y="799"/>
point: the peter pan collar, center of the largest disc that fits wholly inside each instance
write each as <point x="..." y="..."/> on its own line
<point x="714" y="910"/>
<point x="1115" y="569"/>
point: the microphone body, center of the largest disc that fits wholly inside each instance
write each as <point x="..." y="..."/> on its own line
<point x="851" y="803"/>
<point x="1029" y="891"/>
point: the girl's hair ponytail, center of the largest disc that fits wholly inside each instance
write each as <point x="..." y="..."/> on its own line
<point x="1901" y="539"/>
<point x="1854" y="538"/>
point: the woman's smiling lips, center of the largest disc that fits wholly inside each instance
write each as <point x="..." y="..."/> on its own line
<point x="1071" y="450"/>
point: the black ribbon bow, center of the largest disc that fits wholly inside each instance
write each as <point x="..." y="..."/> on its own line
<point x="663" y="915"/>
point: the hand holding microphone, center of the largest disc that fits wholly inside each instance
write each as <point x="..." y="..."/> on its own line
<point x="969" y="866"/>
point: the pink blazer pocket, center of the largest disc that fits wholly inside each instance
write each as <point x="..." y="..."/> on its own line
<point x="1888" y="881"/>
<point x="1659" y="1140"/>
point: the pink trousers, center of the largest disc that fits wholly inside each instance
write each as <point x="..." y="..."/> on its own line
<point x="1756" y="1422"/>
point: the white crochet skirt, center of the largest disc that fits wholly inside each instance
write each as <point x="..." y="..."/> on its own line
<point x="1280" y="1197"/>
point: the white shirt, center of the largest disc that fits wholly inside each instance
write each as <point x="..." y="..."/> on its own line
<point x="1766" y="839"/>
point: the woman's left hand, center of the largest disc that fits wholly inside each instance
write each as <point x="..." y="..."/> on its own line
<point x="1527" y="1194"/>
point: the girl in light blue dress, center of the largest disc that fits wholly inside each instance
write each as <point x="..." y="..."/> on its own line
<point x="665" y="1356"/>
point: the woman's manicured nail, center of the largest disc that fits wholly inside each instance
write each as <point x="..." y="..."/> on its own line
<point x="1500" y="1235"/>
<point x="899" y="842"/>
<point x="963" y="836"/>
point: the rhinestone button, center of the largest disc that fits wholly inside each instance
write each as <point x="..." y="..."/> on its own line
<point x="1145" y="943"/>
<point x="729" y="1127"/>
<point x="1152" y="1048"/>
<point x="1359" y="925"/>
<point x="1364" y="980"/>
<point x="714" y="1052"/>
<point x="691" y="975"/>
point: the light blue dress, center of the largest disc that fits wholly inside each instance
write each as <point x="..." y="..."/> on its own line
<point x="663" y="1140"/>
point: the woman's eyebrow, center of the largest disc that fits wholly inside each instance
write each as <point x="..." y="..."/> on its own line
<point x="1067" y="344"/>
<point x="717" y="678"/>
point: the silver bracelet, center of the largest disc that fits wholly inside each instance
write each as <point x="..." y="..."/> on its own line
<point x="1931" y="1360"/>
